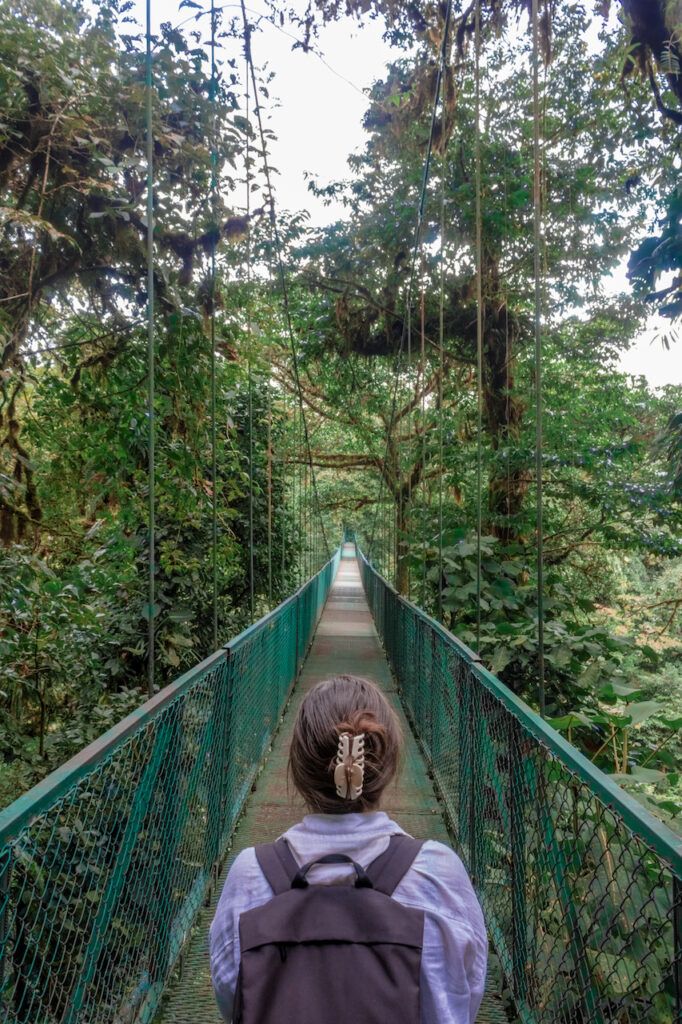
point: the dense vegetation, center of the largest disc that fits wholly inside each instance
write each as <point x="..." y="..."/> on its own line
<point x="399" y="459"/>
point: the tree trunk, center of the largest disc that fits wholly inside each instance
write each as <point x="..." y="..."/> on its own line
<point x="507" y="484"/>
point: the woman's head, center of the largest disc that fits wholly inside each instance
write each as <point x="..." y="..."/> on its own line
<point x="351" y="706"/>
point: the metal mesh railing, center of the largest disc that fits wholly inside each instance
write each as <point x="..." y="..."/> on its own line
<point x="105" y="864"/>
<point x="581" y="886"/>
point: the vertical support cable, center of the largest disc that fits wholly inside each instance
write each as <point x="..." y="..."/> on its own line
<point x="293" y="433"/>
<point x="538" y="358"/>
<point x="269" y="471"/>
<point x="252" y="582"/>
<point x="303" y="490"/>
<point x="479" y="321"/>
<point x="407" y="506"/>
<point x="426" y="493"/>
<point x="507" y="352"/>
<point x="252" y="586"/>
<point x="306" y="520"/>
<point x="386" y="560"/>
<point x="214" y="439"/>
<point x="151" y="465"/>
<point x="301" y="498"/>
<point x="441" y="375"/>
<point x="285" y="503"/>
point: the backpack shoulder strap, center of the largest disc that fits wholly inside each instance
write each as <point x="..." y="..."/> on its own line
<point x="278" y="864"/>
<point x="388" y="870"/>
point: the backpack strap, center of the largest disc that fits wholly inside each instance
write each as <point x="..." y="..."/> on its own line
<point x="278" y="864"/>
<point x="388" y="870"/>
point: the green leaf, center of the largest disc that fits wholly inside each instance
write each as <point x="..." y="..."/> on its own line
<point x="565" y="722"/>
<point x="500" y="659"/>
<point x="672" y="723"/>
<point x="643" y="710"/>
<point x="622" y="690"/>
<point x="646" y="774"/>
<point x="172" y="657"/>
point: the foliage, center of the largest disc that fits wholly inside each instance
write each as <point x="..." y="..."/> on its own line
<point x="606" y="491"/>
<point x="73" y="399"/>
<point x="387" y="367"/>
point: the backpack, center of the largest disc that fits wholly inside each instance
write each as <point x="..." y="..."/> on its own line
<point x="331" y="954"/>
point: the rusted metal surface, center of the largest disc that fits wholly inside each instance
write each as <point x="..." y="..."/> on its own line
<point x="346" y="642"/>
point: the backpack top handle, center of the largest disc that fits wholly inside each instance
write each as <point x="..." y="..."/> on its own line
<point x="384" y="874"/>
<point x="362" y="880"/>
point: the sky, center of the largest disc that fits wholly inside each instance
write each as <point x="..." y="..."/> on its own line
<point x="318" y="124"/>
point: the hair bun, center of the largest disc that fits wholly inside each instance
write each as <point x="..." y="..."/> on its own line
<point x="364" y="760"/>
<point x="365" y="721"/>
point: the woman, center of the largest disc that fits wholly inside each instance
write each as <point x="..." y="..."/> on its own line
<point x="345" y="751"/>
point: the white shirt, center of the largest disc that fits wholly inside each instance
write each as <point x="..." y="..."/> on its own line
<point x="455" y="946"/>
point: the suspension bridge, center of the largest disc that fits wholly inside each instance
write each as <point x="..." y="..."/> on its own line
<point x="110" y="867"/>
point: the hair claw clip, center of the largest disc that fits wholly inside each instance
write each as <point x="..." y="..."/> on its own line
<point x="349" y="772"/>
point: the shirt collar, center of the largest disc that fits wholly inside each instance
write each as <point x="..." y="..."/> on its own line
<point x="371" y="823"/>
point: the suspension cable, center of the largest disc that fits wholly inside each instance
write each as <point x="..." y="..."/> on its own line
<point x="415" y="250"/>
<point x="280" y="264"/>
<point x="249" y="357"/>
<point x="479" y="322"/>
<point x="426" y="492"/>
<point x="214" y="438"/>
<point x="508" y="352"/>
<point x="285" y="498"/>
<point x="269" y="484"/>
<point x="441" y="345"/>
<point x="537" y="200"/>
<point x="151" y="465"/>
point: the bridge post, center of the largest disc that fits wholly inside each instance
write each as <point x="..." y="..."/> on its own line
<point x="297" y="616"/>
<point x="517" y="811"/>
<point x="465" y="770"/>
<point x="475" y="808"/>
<point x="677" y="930"/>
<point x="223" y="744"/>
<point x="5" y="877"/>
<point x="163" y="909"/>
<point x="115" y="883"/>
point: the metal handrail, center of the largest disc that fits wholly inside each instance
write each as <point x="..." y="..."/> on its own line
<point x="580" y="885"/>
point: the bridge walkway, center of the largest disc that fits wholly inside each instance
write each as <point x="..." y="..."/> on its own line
<point x="346" y="641"/>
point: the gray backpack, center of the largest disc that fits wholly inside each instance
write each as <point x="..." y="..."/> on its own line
<point x="330" y="954"/>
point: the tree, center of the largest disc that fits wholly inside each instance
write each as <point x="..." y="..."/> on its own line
<point x="73" y="192"/>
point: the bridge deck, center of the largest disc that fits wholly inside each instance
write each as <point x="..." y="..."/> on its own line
<point x="345" y="642"/>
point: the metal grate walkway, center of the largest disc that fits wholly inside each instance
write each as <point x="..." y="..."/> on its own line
<point x="346" y="641"/>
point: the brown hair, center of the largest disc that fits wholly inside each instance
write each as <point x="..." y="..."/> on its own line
<point x="337" y="705"/>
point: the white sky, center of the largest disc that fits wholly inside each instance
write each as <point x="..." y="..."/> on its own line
<point x="318" y="124"/>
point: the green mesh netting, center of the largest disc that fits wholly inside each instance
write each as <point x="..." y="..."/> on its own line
<point x="104" y="865"/>
<point x="580" y="886"/>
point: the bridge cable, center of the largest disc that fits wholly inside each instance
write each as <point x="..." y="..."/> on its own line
<point x="285" y="445"/>
<point x="415" y="250"/>
<point x="407" y="505"/>
<point x="151" y="368"/>
<point x="441" y="375"/>
<point x="537" y="203"/>
<point x="479" y="317"/>
<point x="271" y="513"/>
<point x="280" y="264"/>
<point x="249" y="360"/>
<point x="507" y="349"/>
<point x="426" y="492"/>
<point x="269" y="476"/>
<point x="214" y="230"/>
